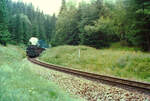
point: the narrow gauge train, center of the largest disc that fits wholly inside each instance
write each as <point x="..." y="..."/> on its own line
<point x="36" y="47"/>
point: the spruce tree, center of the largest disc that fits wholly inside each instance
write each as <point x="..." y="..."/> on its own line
<point x="4" y="34"/>
<point x="63" y="7"/>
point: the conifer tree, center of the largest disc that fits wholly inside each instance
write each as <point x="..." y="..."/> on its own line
<point x="63" y="7"/>
<point x="4" y="34"/>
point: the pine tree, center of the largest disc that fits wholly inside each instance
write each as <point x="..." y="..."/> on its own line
<point x="143" y="22"/>
<point x="4" y="34"/>
<point x="63" y="7"/>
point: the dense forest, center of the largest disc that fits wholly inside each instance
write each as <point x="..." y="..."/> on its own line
<point x="23" y="21"/>
<point x="96" y="24"/>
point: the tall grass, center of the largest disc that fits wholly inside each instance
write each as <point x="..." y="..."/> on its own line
<point x="126" y="63"/>
<point x="19" y="83"/>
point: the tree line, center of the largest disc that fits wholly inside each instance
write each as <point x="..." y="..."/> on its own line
<point x="100" y="23"/>
<point x="97" y="23"/>
<point x="23" y="21"/>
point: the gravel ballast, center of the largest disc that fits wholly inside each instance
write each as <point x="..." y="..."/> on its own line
<point x="89" y="90"/>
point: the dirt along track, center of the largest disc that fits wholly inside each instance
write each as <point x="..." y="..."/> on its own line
<point x="123" y="83"/>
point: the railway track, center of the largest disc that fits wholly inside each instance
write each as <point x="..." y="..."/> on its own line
<point x="113" y="80"/>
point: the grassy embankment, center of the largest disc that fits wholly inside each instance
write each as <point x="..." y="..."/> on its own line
<point x="116" y="61"/>
<point x="19" y="83"/>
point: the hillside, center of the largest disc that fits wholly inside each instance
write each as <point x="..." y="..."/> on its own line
<point x="120" y="62"/>
<point x="20" y="82"/>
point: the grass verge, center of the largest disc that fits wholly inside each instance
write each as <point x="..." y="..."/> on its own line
<point x="19" y="83"/>
<point x="126" y="63"/>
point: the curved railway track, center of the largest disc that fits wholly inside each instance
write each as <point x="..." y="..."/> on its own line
<point x="113" y="80"/>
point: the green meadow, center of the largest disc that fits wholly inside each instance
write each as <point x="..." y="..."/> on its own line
<point x="18" y="81"/>
<point x="117" y="61"/>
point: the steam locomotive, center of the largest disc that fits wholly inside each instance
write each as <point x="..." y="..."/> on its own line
<point x="36" y="47"/>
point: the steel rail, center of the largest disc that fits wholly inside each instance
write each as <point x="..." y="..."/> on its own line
<point x="114" y="80"/>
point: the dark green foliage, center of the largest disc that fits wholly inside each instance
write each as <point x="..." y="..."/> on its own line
<point x="96" y="24"/>
<point x="77" y="25"/>
<point x="100" y="23"/>
<point x="52" y="28"/>
<point x="4" y="34"/>
<point x="66" y="27"/>
<point x="88" y="14"/>
<point x="143" y="23"/>
<point x="139" y="32"/>
<point x="26" y="22"/>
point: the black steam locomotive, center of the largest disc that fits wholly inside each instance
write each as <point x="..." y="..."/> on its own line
<point x="33" y="51"/>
